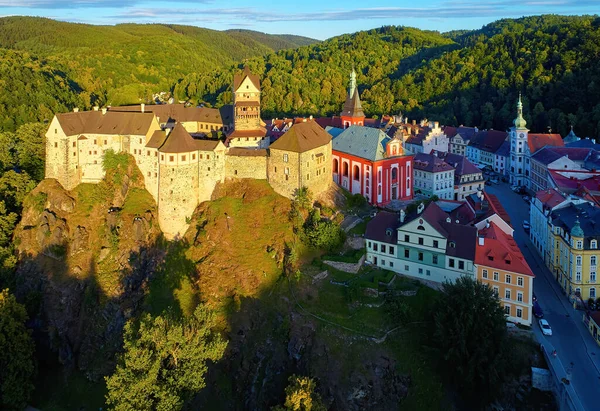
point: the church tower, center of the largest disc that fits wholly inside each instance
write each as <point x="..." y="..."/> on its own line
<point x="519" y="149"/>
<point x="353" y="113"/>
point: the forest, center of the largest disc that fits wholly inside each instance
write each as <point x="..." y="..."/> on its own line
<point x="470" y="78"/>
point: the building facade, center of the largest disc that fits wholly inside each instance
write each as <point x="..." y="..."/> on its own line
<point x="368" y="162"/>
<point x="501" y="265"/>
<point x="518" y="148"/>
<point x="468" y="179"/>
<point x="433" y="176"/>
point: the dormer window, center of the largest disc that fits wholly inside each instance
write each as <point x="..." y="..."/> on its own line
<point x="593" y="244"/>
<point x="491" y="257"/>
<point x="389" y="232"/>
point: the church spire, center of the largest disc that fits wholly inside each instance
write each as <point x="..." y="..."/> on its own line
<point x="352" y="87"/>
<point x="520" y="121"/>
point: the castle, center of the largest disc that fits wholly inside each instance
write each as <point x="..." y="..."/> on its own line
<point x="180" y="165"/>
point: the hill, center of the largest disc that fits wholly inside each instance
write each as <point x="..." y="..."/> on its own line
<point x="470" y="78"/>
<point x="119" y="64"/>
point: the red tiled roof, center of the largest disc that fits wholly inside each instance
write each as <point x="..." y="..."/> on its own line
<point x="537" y="141"/>
<point x="550" y="197"/>
<point x="497" y="207"/>
<point x="503" y="249"/>
<point x="569" y="181"/>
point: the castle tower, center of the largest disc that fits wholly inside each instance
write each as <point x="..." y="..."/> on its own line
<point x="352" y="113"/>
<point x="248" y="128"/>
<point x="519" y="149"/>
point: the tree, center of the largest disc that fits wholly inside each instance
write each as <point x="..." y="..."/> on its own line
<point x="303" y="197"/>
<point x="470" y="335"/>
<point x="165" y="361"/>
<point x="17" y="366"/>
<point x="300" y="395"/>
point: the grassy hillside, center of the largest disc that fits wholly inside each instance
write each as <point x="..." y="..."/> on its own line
<point x="462" y="77"/>
<point x="120" y="64"/>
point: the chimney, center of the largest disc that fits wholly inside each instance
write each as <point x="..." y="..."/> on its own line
<point x="448" y="220"/>
<point x="103" y="110"/>
<point x="76" y="110"/>
<point x="402" y="216"/>
<point x="481" y="241"/>
<point x="143" y="107"/>
<point x="96" y="108"/>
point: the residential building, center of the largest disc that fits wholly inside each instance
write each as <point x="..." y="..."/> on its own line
<point x="424" y="244"/>
<point x="468" y="179"/>
<point x="574" y="233"/>
<point x="555" y="158"/>
<point x="570" y="182"/>
<point x="542" y="204"/>
<point x="433" y="176"/>
<point x="428" y="137"/>
<point x="501" y="265"/>
<point x="502" y="159"/>
<point x="459" y="138"/>
<point x="483" y="146"/>
<point x="592" y="320"/>
<point x="368" y="162"/>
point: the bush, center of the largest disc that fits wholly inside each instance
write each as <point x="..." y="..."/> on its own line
<point x="322" y="234"/>
<point x="356" y="201"/>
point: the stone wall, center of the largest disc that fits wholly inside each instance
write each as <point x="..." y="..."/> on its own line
<point x="316" y="170"/>
<point x="245" y="166"/>
<point x="283" y="172"/>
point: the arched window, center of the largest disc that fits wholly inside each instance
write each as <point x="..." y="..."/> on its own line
<point x="593" y="244"/>
<point x="593" y="292"/>
<point x="421" y="228"/>
<point x="335" y="166"/>
<point x="593" y="260"/>
<point x="345" y="169"/>
<point x="356" y="173"/>
<point x="394" y="173"/>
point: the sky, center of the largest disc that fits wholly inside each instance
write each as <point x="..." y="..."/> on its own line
<point x="312" y="18"/>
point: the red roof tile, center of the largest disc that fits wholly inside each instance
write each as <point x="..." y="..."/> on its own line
<point x="503" y="249"/>
<point x="537" y="141"/>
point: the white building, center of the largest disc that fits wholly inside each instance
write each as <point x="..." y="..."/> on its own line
<point x="433" y="176"/>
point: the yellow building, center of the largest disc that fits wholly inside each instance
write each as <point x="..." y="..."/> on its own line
<point x="574" y="234"/>
<point x="500" y="264"/>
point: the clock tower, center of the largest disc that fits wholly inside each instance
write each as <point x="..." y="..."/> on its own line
<point x="519" y="149"/>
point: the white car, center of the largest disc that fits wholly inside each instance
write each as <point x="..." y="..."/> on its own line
<point x="545" y="327"/>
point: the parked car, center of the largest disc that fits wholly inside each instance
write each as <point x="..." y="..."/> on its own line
<point x="537" y="310"/>
<point x="494" y="180"/>
<point x="545" y="327"/>
<point x="488" y="182"/>
<point x="526" y="226"/>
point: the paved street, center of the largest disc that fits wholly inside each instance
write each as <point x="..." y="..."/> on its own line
<point x="570" y="338"/>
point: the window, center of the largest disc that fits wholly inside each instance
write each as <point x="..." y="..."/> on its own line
<point x="55" y="145"/>
<point x="496" y="276"/>
<point x="183" y="158"/>
<point x="420" y="256"/>
<point x="519" y="313"/>
<point x="285" y="158"/>
<point x="451" y="262"/>
<point x="520" y="281"/>
<point x="391" y="264"/>
<point x="369" y="244"/>
<point x="435" y="244"/>
<point x="406" y="268"/>
<point x="507" y="294"/>
<point x="208" y="156"/>
<point x="593" y="260"/>
<point x="593" y="244"/>
<point x="171" y="158"/>
<point x="578" y="260"/>
<point x="579" y="245"/>
<point x="406" y="253"/>
<point x="507" y="309"/>
<point x="420" y="271"/>
<point x="391" y="250"/>
<point x="496" y="291"/>
<point x="484" y="273"/>
<point x="375" y="247"/>
<point x="508" y="279"/>
<point x="461" y="265"/>
<point x="383" y="248"/>
<point x="286" y="171"/>
<point x="382" y="262"/>
<point x="434" y="259"/>
<point x="520" y="297"/>
<point x="593" y="292"/>
<point x="193" y="156"/>
<point x="592" y="276"/>
<point x="95" y="142"/>
<point x="420" y="240"/>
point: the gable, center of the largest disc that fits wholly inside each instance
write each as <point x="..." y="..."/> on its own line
<point x="413" y="227"/>
<point x="247" y="86"/>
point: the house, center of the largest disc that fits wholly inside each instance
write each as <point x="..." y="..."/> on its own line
<point x="425" y="244"/>
<point x="488" y="208"/>
<point x="544" y="202"/>
<point x="483" y="146"/>
<point x="459" y="138"/>
<point x="555" y="158"/>
<point x="368" y="162"/>
<point x="569" y="182"/>
<point x="502" y="159"/>
<point x="428" y="137"/>
<point x="501" y="265"/>
<point x="574" y="232"/>
<point x="468" y="179"/>
<point x="592" y="320"/>
<point x="433" y="176"/>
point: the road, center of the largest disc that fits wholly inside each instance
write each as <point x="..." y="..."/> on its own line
<point x="571" y="340"/>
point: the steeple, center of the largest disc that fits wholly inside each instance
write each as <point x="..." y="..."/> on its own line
<point x="352" y="87"/>
<point x="520" y="122"/>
